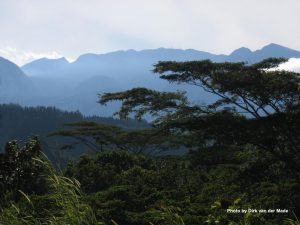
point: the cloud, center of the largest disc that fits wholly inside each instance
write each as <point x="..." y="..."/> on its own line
<point x="22" y="57"/>
<point x="76" y="27"/>
<point x="292" y="65"/>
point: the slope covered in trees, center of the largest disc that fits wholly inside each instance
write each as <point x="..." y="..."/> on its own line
<point x="20" y="123"/>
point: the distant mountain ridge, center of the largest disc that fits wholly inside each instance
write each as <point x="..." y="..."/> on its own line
<point x="14" y="84"/>
<point x="45" y="65"/>
<point x="271" y="50"/>
<point x="74" y="86"/>
<point x="241" y="54"/>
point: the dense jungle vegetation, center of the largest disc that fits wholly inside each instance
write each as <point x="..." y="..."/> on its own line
<point x="243" y="154"/>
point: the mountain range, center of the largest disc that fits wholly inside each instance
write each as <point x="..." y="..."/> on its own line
<point x="15" y="86"/>
<point x="74" y="86"/>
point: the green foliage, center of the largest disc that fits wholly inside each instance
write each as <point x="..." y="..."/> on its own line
<point x="141" y="101"/>
<point x="62" y="204"/>
<point x="243" y="153"/>
<point x="19" y="172"/>
<point x="243" y="142"/>
<point x="131" y="189"/>
<point x="292" y="221"/>
<point x="167" y="216"/>
<point x="221" y="216"/>
<point x="136" y="189"/>
<point x="101" y="137"/>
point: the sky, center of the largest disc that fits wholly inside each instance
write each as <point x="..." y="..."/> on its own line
<point x="32" y="29"/>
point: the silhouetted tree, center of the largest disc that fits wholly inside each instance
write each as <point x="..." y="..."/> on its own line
<point x="257" y="105"/>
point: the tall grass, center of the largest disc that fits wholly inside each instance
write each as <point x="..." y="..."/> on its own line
<point x="294" y="221"/>
<point x="62" y="206"/>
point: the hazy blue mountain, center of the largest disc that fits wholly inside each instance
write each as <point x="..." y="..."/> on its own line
<point x="49" y="75"/>
<point x="46" y="67"/>
<point x="129" y="64"/>
<point x="72" y="86"/>
<point x="271" y="50"/>
<point x="116" y="63"/>
<point x="275" y="50"/>
<point x="84" y="96"/>
<point x="241" y="54"/>
<point x="15" y="86"/>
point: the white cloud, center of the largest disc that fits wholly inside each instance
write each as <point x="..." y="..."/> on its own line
<point x="22" y="57"/>
<point x="292" y="65"/>
<point x="75" y="27"/>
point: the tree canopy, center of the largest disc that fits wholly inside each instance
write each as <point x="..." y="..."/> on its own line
<point x="257" y="105"/>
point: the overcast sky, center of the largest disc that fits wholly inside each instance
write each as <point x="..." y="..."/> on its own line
<point x="33" y="29"/>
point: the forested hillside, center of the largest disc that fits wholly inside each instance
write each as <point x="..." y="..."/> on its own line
<point x="21" y="123"/>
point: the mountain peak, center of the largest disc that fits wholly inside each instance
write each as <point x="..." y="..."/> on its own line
<point x="241" y="51"/>
<point x="45" y="59"/>
<point x="14" y="84"/>
<point x="62" y="59"/>
<point x="45" y="65"/>
<point x="273" y="46"/>
<point x="275" y="50"/>
<point x="240" y="54"/>
<point x="47" y="62"/>
<point x="6" y="64"/>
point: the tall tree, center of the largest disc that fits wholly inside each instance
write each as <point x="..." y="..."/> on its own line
<point x="257" y="105"/>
